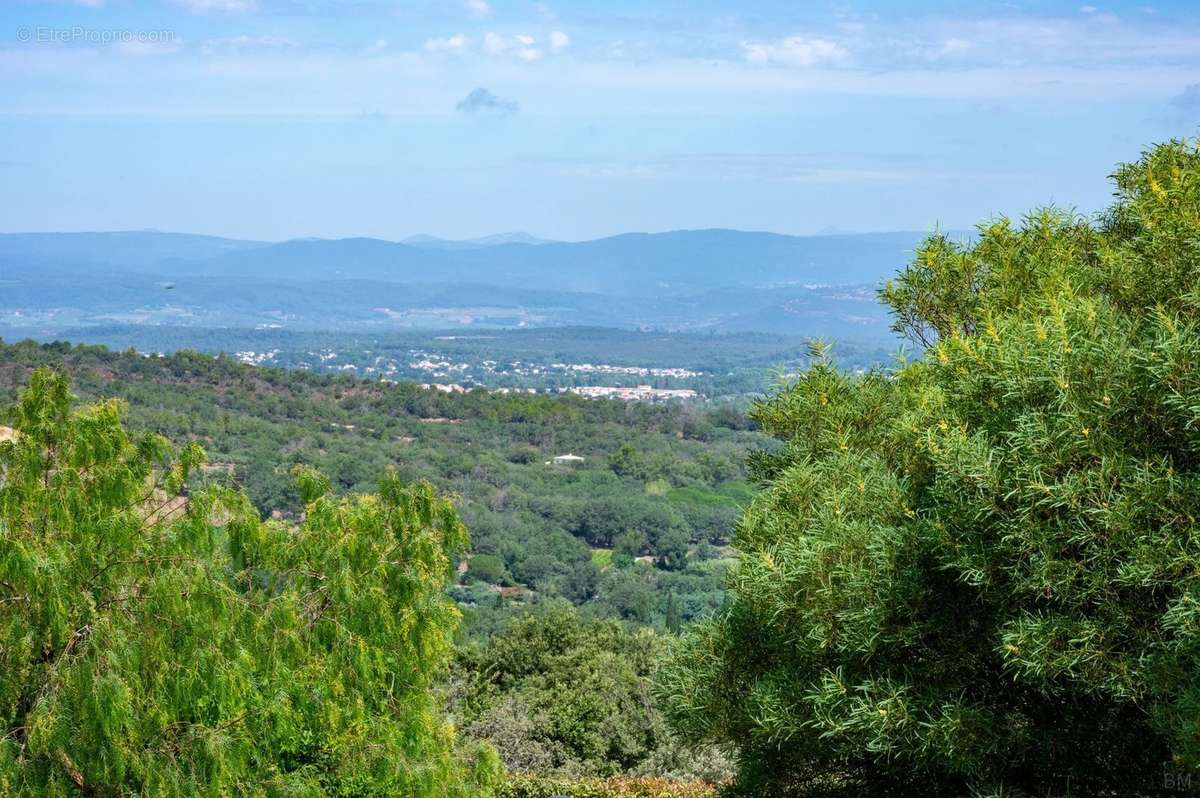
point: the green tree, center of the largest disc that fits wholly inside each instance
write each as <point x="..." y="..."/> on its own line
<point x="671" y="546"/>
<point x="981" y="574"/>
<point x="674" y="620"/>
<point x="488" y="568"/>
<point x="158" y="641"/>
<point x="629" y="545"/>
<point x="557" y="693"/>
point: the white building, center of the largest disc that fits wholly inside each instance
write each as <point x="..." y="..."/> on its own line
<point x="567" y="460"/>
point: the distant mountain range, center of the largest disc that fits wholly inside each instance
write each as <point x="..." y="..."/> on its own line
<point x="432" y="242"/>
<point x="718" y="280"/>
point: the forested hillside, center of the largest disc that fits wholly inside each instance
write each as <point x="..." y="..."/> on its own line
<point x="641" y="522"/>
<point x="975" y="574"/>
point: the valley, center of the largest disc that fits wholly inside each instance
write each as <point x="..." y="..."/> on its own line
<point x="610" y="505"/>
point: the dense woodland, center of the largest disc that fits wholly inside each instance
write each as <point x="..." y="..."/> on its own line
<point x="976" y="574"/>
<point x="656" y="496"/>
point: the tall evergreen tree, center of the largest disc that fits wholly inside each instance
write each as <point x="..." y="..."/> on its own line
<point x="980" y="574"/>
<point x="153" y="643"/>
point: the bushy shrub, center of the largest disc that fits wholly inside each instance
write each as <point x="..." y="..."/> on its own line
<point x="980" y="574"/>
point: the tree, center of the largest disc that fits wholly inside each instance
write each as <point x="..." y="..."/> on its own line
<point x="671" y="546"/>
<point x="980" y="574"/>
<point x="488" y="568"/>
<point x="628" y="593"/>
<point x="674" y="621"/>
<point x="629" y="545"/>
<point x="557" y="693"/>
<point x="162" y="641"/>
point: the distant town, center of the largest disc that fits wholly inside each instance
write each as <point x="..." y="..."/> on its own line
<point x="628" y="383"/>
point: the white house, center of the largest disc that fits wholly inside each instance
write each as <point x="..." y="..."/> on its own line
<point x="567" y="460"/>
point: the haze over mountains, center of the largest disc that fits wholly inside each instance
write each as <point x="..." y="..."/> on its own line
<point x="707" y="280"/>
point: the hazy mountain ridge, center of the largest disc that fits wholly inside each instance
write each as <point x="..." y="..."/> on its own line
<point x="720" y="280"/>
<point x="515" y="237"/>
<point x="129" y="248"/>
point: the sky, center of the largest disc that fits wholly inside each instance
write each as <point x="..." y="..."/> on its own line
<point x="276" y="119"/>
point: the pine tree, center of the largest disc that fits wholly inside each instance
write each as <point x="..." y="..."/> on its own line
<point x="980" y="574"/>
<point x="153" y="643"/>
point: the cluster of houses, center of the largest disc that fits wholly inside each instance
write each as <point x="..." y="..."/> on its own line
<point x="639" y="393"/>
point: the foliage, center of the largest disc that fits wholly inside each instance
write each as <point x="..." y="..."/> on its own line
<point x="160" y="641"/>
<point x="257" y="423"/>
<point x="581" y="687"/>
<point x="981" y="575"/>
<point x="556" y="693"/>
<point x="674" y="622"/>
<point x="488" y="568"/>
<point x="523" y="785"/>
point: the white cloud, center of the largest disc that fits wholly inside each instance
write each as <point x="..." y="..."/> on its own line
<point x="520" y="46"/>
<point x="218" y="5"/>
<point x="1080" y="58"/>
<point x="796" y="51"/>
<point x="478" y="9"/>
<point x="493" y="43"/>
<point x="451" y="44"/>
<point x="1088" y="9"/>
<point x="559" y="41"/>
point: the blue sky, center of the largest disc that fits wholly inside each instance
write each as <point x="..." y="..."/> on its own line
<point x="286" y="118"/>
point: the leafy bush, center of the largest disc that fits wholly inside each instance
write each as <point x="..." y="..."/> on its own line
<point x="520" y="785"/>
<point x="155" y="643"/>
<point x="981" y="574"/>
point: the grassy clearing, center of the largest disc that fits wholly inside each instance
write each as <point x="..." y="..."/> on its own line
<point x="602" y="558"/>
